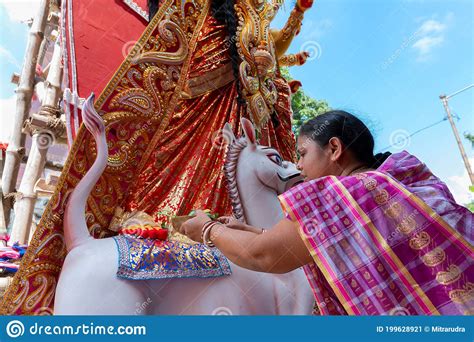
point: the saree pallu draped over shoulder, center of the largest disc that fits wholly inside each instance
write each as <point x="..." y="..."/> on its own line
<point x="388" y="242"/>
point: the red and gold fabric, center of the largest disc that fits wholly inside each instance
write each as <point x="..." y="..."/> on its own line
<point x="163" y="117"/>
<point x="87" y="27"/>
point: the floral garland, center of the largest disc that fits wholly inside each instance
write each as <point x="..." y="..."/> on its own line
<point x="158" y="231"/>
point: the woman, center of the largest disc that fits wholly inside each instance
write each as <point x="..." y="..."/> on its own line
<point x="375" y="234"/>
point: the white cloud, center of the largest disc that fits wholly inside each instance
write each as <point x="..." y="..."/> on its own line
<point x="426" y="44"/>
<point x="20" y="10"/>
<point x="312" y="29"/>
<point x="8" y="56"/>
<point x="430" y="34"/>
<point x="431" y="26"/>
<point x="7" y="113"/>
<point x="459" y="186"/>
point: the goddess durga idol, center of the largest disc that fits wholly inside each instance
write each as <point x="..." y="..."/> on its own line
<point x="233" y="72"/>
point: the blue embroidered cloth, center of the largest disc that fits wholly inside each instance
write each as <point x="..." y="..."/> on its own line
<point x="141" y="259"/>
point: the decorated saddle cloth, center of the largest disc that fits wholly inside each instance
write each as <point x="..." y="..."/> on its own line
<point x="141" y="259"/>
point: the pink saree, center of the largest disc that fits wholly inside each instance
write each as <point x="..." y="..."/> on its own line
<point x="386" y="242"/>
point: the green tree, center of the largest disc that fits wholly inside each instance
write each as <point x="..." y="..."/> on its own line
<point x="304" y="107"/>
<point x="470" y="206"/>
<point x="469" y="137"/>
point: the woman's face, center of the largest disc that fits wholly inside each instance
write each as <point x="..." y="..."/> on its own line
<point x="315" y="161"/>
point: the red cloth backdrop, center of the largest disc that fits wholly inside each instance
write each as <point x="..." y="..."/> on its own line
<point x="98" y="35"/>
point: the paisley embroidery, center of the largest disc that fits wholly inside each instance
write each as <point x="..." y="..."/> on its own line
<point x="434" y="257"/>
<point x="451" y="275"/>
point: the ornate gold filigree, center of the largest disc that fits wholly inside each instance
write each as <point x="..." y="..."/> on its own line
<point x="293" y="24"/>
<point x="257" y="52"/>
<point x="169" y="32"/>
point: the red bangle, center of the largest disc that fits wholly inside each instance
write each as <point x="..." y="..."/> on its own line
<point x="204" y="228"/>
<point x="207" y="232"/>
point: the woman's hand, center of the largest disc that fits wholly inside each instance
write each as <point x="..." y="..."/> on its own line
<point x="192" y="228"/>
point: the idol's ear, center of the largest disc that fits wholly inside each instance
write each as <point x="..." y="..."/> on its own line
<point x="228" y="134"/>
<point x="91" y="119"/>
<point x="249" y="132"/>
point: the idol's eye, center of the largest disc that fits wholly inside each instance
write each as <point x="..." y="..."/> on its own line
<point x="276" y="159"/>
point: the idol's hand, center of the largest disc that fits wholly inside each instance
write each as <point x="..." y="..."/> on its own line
<point x="302" y="57"/>
<point x="294" y="85"/>
<point x="192" y="228"/>
<point x="232" y="223"/>
<point x="304" y="5"/>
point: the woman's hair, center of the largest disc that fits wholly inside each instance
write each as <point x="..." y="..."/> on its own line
<point x="152" y="8"/>
<point x="223" y="11"/>
<point x="353" y="133"/>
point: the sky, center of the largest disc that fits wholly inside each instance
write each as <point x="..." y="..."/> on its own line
<point x="385" y="61"/>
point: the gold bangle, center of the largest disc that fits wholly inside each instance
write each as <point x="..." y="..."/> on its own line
<point x="288" y="60"/>
<point x="293" y="24"/>
<point x="207" y="234"/>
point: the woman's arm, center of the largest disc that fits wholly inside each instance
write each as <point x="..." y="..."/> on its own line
<point x="279" y="250"/>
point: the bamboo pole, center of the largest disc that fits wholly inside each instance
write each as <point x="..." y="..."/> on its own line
<point x="50" y="164"/>
<point x="45" y="127"/>
<point x="3" y="224"/>
<point x="4" y="283"/>
<point x="51" y="26"/>
<point x="444" y="99"/>
<point x="24" y="93"/>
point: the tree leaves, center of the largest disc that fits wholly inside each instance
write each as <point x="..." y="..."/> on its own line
<point x="304" y="107"/>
